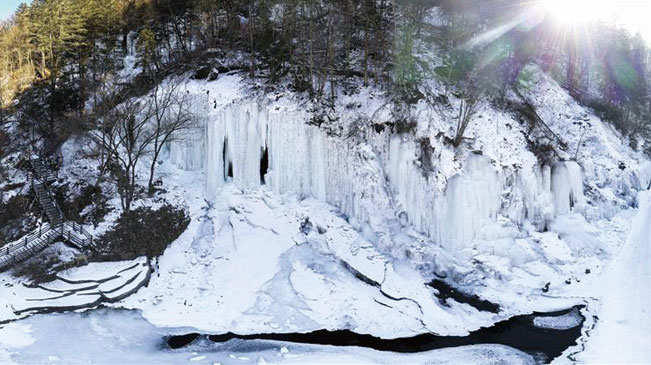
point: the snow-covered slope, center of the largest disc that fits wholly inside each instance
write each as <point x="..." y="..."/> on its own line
<point x="494" y="221"/>
<point x="244" y="266"/>
<point x="623" y="335"/>
<point x="302" y="221"/>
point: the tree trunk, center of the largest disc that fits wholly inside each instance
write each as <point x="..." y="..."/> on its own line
<point x="152" y="171"/>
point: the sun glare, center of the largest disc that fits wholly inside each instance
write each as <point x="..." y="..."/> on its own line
<point x="578" y="11"/>
<point x="631" y="14"/>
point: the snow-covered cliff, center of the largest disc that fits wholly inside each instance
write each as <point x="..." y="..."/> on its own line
<point x="377" y="179"/>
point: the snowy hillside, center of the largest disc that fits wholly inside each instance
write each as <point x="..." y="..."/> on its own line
<point x="296" y="227"/>
<point x="496" y="223"/>
<point x="205" y="198"/>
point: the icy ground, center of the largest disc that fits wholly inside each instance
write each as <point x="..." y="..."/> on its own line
<point x="244" y="266"/>
<point x="75" y="288"/>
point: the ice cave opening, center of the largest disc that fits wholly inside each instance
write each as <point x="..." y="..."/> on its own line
<point x="264" y="165"/>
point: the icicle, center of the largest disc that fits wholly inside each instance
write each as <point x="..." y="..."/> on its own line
<point x="371" y="182"/>
<point x="472" y="200"/>
<point x="131" y="43"/>
<point x="567" y="188"/>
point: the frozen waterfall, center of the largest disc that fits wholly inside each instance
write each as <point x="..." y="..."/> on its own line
<point x="372" y="181"/>
<point x="567" y="187"/>
<point x="452" y="219"/>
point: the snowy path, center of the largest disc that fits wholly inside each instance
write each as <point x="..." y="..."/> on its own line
<point x="623" y="333"/>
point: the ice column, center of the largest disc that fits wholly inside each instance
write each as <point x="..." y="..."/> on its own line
<point x="471" y="199"/>
<point x="371" y="180"/>
<point x="567" y="187"/>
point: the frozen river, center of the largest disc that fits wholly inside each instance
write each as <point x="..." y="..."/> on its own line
<point x="122" y="336"/>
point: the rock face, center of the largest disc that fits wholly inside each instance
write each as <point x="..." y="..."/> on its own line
<point x="206" y="73"/>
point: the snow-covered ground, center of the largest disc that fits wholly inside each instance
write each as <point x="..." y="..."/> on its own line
<point x="76" y="288"/>
<point x="245" y="267"/>
<point x="623" y="334"/>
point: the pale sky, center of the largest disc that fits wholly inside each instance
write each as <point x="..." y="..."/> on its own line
<point x="634" y="14"/>
<point x="8" y="7"/>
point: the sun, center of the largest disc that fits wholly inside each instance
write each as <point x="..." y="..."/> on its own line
<point x="579" y="12"/>
<point x="633" y="15"/>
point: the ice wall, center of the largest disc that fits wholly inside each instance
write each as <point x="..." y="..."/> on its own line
<point x="526" y="196"/>
<point x="452" y="218"/>
<point x="188" y="151"/>
<point x="301" y="160"/>
<point x="567" y="187"/>
<point x="373" y="179"/>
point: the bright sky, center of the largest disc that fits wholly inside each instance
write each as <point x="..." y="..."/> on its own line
<point x="633" y="14"/>
<point x="8" y="7"/>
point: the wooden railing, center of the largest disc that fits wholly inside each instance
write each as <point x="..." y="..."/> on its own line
<point x="29" y="245"/>
<point x="75" y="233"/>
<point x="47" y="233"/>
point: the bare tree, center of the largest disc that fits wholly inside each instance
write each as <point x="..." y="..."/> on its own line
<point x="103" y="133"/>
<point x="140" y="127"/>
<point x="171" y="115"/>
<point x="125" y="135"/>
<point x="467" y="109"/>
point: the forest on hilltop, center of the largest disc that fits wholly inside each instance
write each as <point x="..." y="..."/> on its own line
<point x="57" y="56"/>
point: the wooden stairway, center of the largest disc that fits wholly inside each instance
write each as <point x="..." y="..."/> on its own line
<point x="29" y="245"/>
<point x="57" y="229"/>
<point x="41" y="178"/>
<point x="53" y="212"/>
<point x="41" y="171"/>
